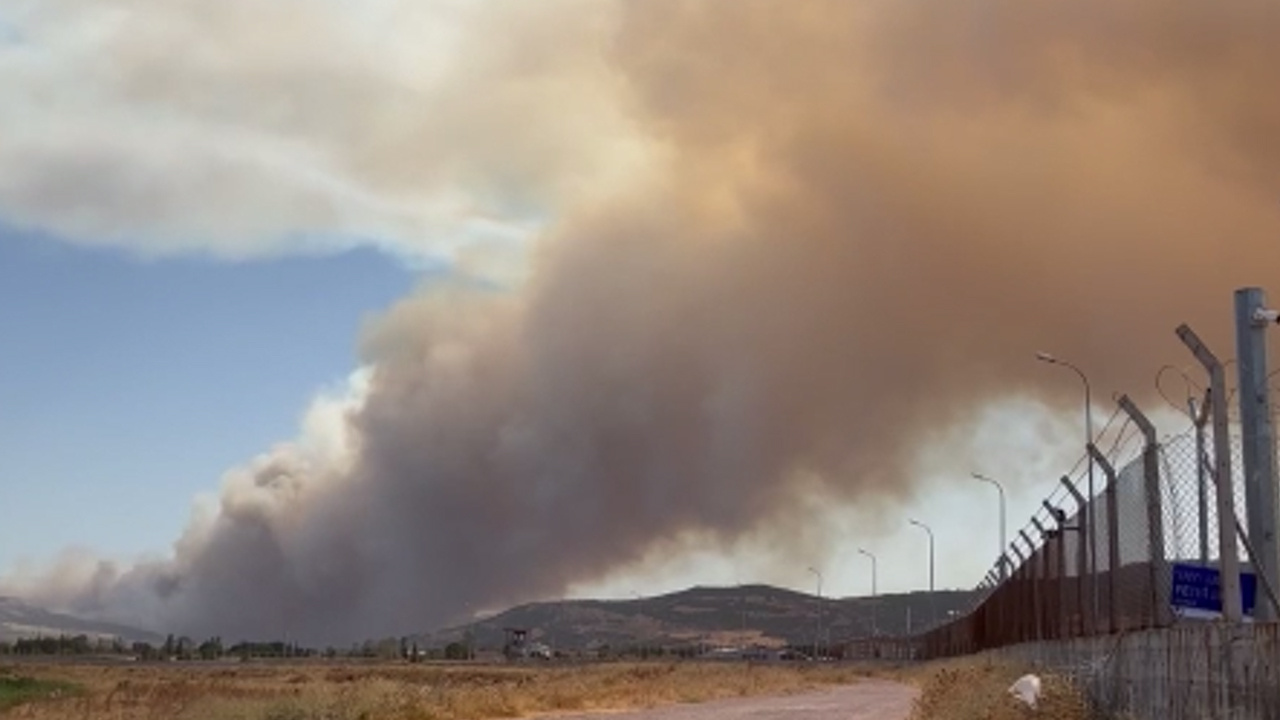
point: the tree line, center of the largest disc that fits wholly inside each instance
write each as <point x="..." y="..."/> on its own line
<point x="181" y="648"/>
<point x="63" y="645"/>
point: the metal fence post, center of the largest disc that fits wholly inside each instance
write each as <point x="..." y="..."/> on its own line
<point x="1162" y="614"/>
<point x="1258" y="449"/>
<point x="1228" y="553"/>
<point x="997" y="620"/>
<point x="990" y="616"/>
<point x="1113" y="537"/>
<point x="1033" y="585"/>
<point x="1026" y="600"/>
<point x="1082" y="559"/>
<point x="1201" y="418"/>
<point x="1044" y="571"/>
<point x="1007" y="617"/>
<point x="1004" y="616"/>
<point x="1017" y="603"/>
<point x="1060" y="551"/>
<point x="1023" y="597"/>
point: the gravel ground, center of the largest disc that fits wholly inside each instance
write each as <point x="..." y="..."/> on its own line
<point x="869" y="700"/>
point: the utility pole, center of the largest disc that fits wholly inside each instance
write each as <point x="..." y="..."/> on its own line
<point x="1257" y="435"/>
<point x="818" y="635"/>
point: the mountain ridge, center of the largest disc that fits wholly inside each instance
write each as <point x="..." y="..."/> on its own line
<point x="20" y="620"/>
<point x="734" y="615"/>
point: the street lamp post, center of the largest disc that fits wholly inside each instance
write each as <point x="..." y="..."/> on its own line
<point x="1088" y="431"/>
<point x="644" y="649"/>
<point x="873" y="569"/>
<point x="818" y="635"/>
<point x="1004" y="573"/>
<point x="742" y="606"/>
<point x="875" y="626"/>
<point x="932" y="610"/>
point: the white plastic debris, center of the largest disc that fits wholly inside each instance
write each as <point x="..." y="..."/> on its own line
<point x="1027" y="689"/>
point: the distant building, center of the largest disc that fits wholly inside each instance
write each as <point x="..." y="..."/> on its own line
<point x="517" y="646"/>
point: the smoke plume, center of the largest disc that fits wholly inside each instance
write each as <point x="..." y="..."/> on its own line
<point x="853" y="224"/>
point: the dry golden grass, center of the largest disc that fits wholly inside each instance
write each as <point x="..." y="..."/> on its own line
<point x="402" y="692"/>
<point x="976" y="689"/>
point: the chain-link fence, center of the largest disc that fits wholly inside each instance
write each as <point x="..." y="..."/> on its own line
<point x="1142" y="553"/>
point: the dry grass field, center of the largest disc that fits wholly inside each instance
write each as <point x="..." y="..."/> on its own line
<point x="323" y="691"/>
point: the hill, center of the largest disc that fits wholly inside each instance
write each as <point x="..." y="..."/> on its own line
<point x="20" y="620"/>
<point x="748" y="614"/>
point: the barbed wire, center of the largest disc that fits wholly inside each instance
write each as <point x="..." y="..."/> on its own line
<point x="1189" y="383"/>
<point x="1123" y="441"/>
<point x="1193" y="390"/>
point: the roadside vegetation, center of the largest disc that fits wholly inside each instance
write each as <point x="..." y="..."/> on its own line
<point x="975" y="689"/>
<point x="16" y="690"/>
<point x="400" y="691"/>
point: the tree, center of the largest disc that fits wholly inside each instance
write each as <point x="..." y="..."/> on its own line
<point x="455" y="651"/>
<point x="170" y="647"/>
<point x="210" y="649"/>
<point x="78" y="645"/>
<point x="387" y="648"/>
<point x="186" y="648"/>
<point x="144" y="651"/>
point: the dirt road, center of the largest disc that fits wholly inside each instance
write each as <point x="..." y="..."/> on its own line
<point x="869" y="700"/>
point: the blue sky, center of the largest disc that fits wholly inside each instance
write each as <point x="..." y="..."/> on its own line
<point x="127" y="386"/>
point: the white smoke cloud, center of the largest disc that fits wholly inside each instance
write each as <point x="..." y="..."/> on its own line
<point x="435" y="130"/>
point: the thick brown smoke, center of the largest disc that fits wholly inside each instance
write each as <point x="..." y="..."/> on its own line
<point x="864" y="219"/>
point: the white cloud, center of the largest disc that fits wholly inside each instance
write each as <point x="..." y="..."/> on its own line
<point x="247" y="128"/>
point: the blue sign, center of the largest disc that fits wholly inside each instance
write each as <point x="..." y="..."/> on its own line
<point x="1199" y="590"/>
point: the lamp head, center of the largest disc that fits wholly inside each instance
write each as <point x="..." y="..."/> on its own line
<point x="1266" y="316"/>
